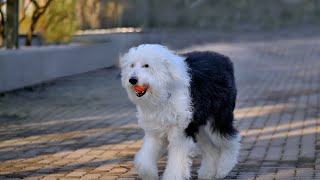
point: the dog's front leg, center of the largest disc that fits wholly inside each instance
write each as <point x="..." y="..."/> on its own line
<point x="179" y="155"/>
<point x="146" y="159"/>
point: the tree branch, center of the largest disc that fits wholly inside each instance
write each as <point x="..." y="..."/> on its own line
<point x="2" y="16"/>
<point x="1" y="20"/>
<point x="36" y="4"/>
<point x="47" y="4"/>
<point x="38" y="12"/>
<point x="24" y="12"/>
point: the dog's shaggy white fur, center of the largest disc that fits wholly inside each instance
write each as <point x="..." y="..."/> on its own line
<point x="165" y="112"/>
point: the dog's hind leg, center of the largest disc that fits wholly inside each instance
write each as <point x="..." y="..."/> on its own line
<point x="146" y="159"/>
<point x="210" y="156"/>
<point x="229" y="150"/>
<point x="180" y="151"/>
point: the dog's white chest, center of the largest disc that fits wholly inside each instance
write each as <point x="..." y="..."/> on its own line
<point x="160" y="119"/>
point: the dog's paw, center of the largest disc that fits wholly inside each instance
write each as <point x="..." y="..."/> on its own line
<point x="145" y="169"/>
<point x="148" y="177"/>
<point x="204" y="173"/>
<point x="174" y="174"/>
<point x="226" y="164"/>
<point x="167" y="176"/>
<point x="145" y="172"/>
<point x="221" y="173"/>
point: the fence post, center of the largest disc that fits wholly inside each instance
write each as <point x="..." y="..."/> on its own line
<point x="12" y="24"/>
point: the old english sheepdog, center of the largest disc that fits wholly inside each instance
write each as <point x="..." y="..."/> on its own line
<point x="185" y="103"/>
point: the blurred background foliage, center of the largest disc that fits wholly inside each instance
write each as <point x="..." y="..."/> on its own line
<point x="58" y="22"/>
<point x="62" y="18"/>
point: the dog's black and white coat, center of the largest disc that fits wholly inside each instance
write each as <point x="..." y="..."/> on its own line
<point x="187" y="105"/>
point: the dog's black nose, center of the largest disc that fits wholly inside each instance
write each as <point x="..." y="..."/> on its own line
<point x="133" y="80"/>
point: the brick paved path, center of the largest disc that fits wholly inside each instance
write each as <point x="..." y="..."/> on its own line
<point x="84" y="126"/>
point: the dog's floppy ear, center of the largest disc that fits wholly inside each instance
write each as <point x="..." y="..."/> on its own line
<point x="172" y="70"/>
<point x="177" y="68"/>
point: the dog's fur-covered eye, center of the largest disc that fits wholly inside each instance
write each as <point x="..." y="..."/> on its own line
<point x="146" y="66"/>
<point x="132" y="65"/>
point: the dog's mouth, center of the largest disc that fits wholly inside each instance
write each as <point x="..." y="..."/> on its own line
<point x="140" y="90"/>
<point x="139" y="94"/>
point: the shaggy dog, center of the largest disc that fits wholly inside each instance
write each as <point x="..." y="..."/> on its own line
<point x="185" y="103"/>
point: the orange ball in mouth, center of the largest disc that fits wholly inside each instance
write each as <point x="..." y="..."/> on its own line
<point x="140" y="88"/>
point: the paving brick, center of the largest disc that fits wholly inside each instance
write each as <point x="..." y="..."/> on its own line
<point x="118" y="170"/>
<point x="55" y="175"/>
<point x="105" y="168"/>
<point x="285" y="174"/>
<point x="265" y="177"/>
<point x="257" y="153"/>
<point x="91" y="176"/>
<point x="109" y="177"/>
<point x="76" y="174"/>
<point x="274" y="153"/>
<point x="304" y="172"/>
<point x="78" y="153"/>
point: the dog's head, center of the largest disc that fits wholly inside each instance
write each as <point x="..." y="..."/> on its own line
<point x="150" y="72"/>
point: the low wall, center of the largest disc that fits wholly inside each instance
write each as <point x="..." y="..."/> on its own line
<point x="29" y="66"/>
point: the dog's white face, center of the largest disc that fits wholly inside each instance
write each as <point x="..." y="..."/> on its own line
<point x="145" y="73"/>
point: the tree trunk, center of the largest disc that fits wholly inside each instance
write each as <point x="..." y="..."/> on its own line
<point x="29" y="35"/>
<point x="1" y="26"/>
<point x="12" y="24"/>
